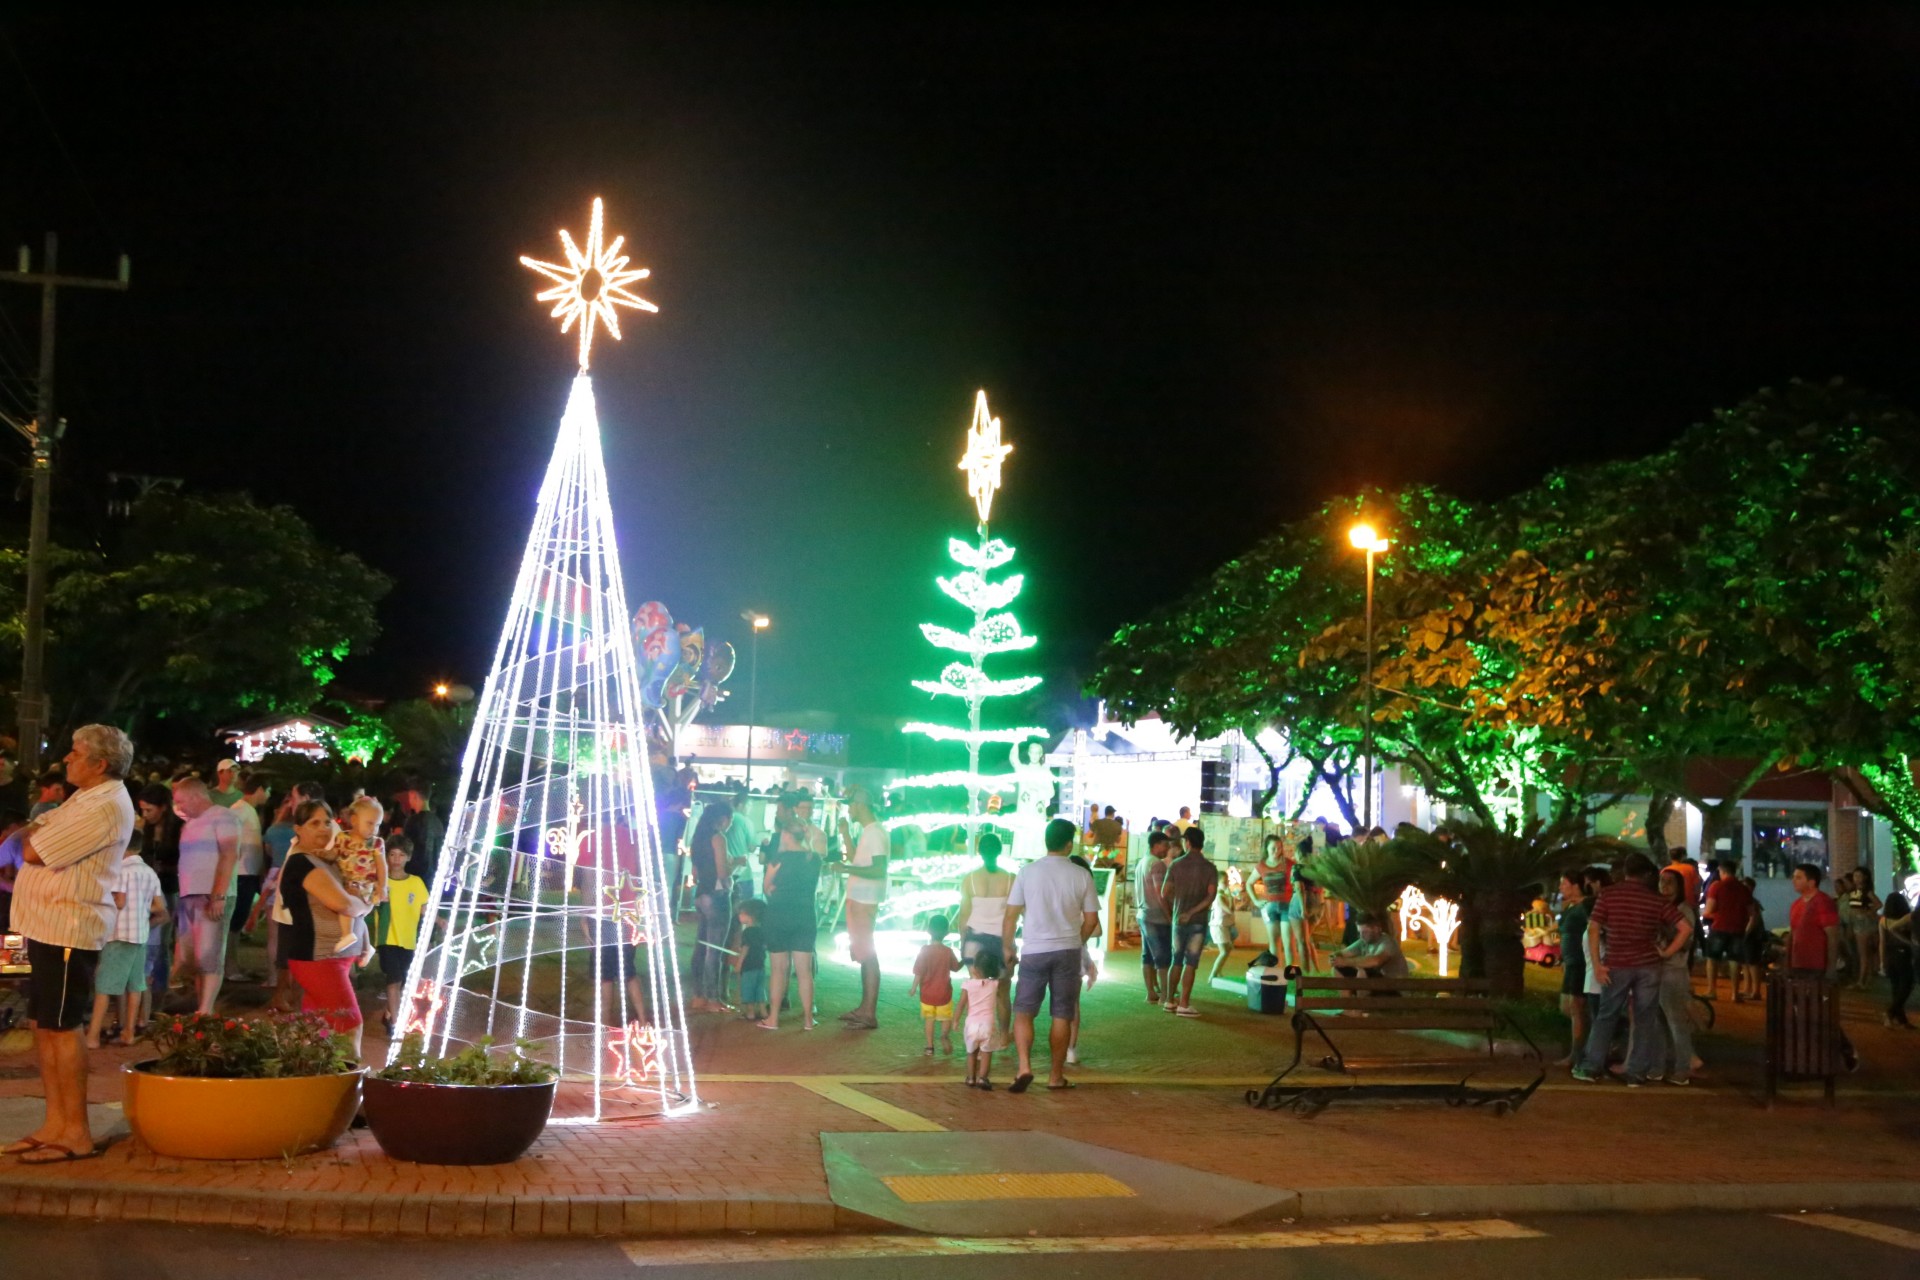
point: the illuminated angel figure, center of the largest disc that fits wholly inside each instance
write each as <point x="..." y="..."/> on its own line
<point x="635" y="1050"/>
<point x="590" y="285"/>
<point x="565" y="842"/>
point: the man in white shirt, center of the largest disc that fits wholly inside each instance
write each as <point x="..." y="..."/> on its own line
<point x="209" y="851"/>
<point x="1056" y="898"/>
<point x="866" y="872"/>
<point x="63" y="904"/>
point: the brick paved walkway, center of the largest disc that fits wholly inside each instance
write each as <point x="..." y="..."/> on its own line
<point x="1151" y="1085"/>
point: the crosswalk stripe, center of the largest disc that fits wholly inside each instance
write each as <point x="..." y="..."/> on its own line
<point x="1900" y="1239"/>
<point x="692" y="1252"/>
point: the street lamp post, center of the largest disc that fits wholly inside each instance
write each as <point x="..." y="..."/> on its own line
<point x="1364" y="538"/>
<point x="759" y="622"/>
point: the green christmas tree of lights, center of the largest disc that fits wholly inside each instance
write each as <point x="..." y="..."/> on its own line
<point x="994" y="631"/>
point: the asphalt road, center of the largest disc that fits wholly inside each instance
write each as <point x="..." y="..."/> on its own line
<point x="1866" y="1245"/>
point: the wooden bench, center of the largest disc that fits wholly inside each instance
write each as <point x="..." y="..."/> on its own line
<point x="1352" y="1005"/>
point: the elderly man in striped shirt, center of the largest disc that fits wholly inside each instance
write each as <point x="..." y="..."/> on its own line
<point x="63" y="905"/>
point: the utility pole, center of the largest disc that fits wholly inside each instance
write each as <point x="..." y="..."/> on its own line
<point x="42" y="434"/>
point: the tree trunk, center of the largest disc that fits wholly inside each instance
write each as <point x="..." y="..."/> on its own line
<point x="1659" y="809"/>
<point x="1490" y="944"/>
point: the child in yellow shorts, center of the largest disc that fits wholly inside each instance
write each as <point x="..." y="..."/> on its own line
<point x="933" y="982"/>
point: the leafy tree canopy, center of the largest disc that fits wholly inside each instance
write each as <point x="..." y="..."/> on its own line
<point x="200" y="609"/>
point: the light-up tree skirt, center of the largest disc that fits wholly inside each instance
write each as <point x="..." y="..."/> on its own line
<point x="552" y="864"/>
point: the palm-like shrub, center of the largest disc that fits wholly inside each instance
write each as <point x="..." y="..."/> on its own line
<point x="1368" y="877"/>
<point x="1492" y="873"/>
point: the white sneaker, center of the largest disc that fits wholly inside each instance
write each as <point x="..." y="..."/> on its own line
<point x="1073" y="1057"/>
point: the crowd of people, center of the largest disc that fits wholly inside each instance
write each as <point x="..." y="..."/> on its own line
<point x="129" y="885"/>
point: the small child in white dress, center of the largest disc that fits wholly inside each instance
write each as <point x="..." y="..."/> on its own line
<point x="362" y="864"/>
<point x="979" y="998"/>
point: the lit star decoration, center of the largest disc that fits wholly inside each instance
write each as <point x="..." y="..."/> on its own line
<point x="422" y="1008"/>
<point x="982" y="459"/>
<point x="635" y="1053"/>
<point x="623" y="907"/>
<point x="590" y="285"/>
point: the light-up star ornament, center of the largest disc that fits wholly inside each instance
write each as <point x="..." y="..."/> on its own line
<point x="590" y="285"/>
<point x="982" y="459"/>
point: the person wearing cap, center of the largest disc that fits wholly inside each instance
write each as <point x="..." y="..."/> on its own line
<point x="226" y="790"/>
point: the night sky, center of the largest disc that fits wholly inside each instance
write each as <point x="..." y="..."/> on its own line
<point x="1211" y="270"/>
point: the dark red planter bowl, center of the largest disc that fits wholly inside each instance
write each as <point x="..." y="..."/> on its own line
<point x="456" y="1123"/>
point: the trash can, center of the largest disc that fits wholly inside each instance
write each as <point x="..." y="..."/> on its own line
<point x="1803" y="1031"/>
<point x="1266" y="989"/>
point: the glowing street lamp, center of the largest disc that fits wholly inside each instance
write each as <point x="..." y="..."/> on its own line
<point x="1365" y="538"/>
<point x="441" y="691"/>
<point x="759" y="622"/>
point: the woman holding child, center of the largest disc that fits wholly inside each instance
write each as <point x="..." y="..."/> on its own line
<point x="329" y="932"/>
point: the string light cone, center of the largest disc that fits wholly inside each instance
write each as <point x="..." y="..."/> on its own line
<point x="551" y="880"/>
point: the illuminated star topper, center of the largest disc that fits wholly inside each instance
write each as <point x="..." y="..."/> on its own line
<point x="590" y="285"/>
<point x="982" y="459"/>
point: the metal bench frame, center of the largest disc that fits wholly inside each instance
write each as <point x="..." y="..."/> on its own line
<point x="1417" y="1004"/>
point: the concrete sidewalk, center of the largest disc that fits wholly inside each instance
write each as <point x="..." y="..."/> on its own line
<point x="1153" y="1088"/>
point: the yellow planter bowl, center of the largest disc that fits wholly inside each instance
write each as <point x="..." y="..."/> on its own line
<point x="191" y="1118"/>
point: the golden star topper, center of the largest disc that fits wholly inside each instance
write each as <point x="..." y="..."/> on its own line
<point x="590" y="285"/>
<point x="982" y="459"/>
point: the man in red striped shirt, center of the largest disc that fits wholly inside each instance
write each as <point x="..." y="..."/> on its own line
<point x="1630" y="920"/>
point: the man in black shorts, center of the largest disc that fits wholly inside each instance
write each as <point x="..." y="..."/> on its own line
<point x="63" y="905"/>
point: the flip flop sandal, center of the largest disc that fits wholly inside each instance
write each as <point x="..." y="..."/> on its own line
<point x="67" y="1154"/>
<point x="1020" y="1082"/>
<point x="1064" y="1084"/>
<point x="21" y="1147"/>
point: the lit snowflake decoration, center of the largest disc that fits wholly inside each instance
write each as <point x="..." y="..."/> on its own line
<point x="590" y="285"/>
<point x="635" y="1050"/>
<point x="982" y="459"/>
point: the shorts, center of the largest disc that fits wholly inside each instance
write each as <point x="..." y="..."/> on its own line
<point x="1053" y="976"/>
<point x="122" y="969"/>
<point x="1156" y="944"/>
<point x="394" y="961"/>
<point x="860" y="917"/>
<point x="59" y="985"/>
<point x="973" y="944"/>
<point x="1186" y="943"/>
<point x="1274" y="913"/>
<point x="200" y="935"/>
<point x="326" y="988"/>
<point x="1225" y="935"/>
<point x="753" y="986"/>
<point x="1727" y="946"/>
<point x="245" y="890"/>
<point x="937" y="1012"/>
<point x="975" y="1040"/>
<point x="616" y="960"/>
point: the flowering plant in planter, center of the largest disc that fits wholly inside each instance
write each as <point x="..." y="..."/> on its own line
<point x="250" y="1047"/>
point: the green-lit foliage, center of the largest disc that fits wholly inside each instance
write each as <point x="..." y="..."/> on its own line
<point x="1368" y="875"/>
<point x="199" y="609"/>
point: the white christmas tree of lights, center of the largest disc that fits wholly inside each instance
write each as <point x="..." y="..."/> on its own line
<point x="552" y="864"/>
<point x="993" y="632"/>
